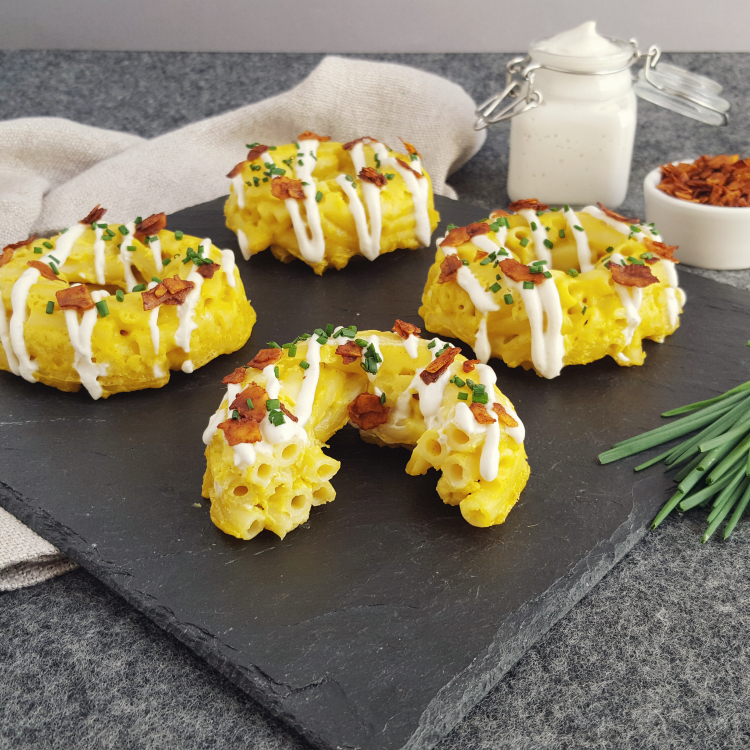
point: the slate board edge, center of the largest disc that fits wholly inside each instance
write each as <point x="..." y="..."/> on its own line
<point x="455" y="699"/>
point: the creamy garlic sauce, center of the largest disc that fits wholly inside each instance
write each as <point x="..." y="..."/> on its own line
<point x="20" y="293"/>
<point x="243" y="243"/>
<point x="411" y="344"/>
<point x="126" y="256"/>
<point x="375" y="341"/>
<point x="5" y="340"/>
<point x="306" y="396"/>
<point x="99" y="258"/>
<point x="227" y="264"/>
<point x="155" y="246"/>
<point x="581" y="238"/>
<point x="80" y="337"/>
<point x="417" y="186"/>
<point x="597" y="213"/>
<point x="539" y="234"/>
<point x="631" y="298"/>
<point x="288" y="430"/>
<point x="312" y="246"/>
<point x="186" y="311"/>
<point x="238" y="183"/>
<point x="153" y="322"/>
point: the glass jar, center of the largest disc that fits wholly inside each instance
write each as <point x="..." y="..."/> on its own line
<point x="573" y="107"/>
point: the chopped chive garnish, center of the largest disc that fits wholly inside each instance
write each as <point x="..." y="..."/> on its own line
<point x="276" y="371"/>
<point x="465" y="262"/>
<point x="54" y="269"/>
<point x="463" y="396"/>
<point x="156" y="279"/>
<point x="272" y="148"/>
<point x="276" y="418"/>
<point x="583" y="312"/>
<point x="389" y="176"/>
<point x="166" y="261"/>
<point x="48" y="245"/>
<point x="382" y="398"/>
<point x="533" y="226"/>
<point x="528" y="284"/>
<point x="329" y="329"/>
<point x="524" y="241"/>
<point x="272" y="403"/>
<point x="487" y="260"/>
<point x="566" y="207"/>
<point x="139" y="288"/>
<point x="479" y="398"/>
<point x="318" y="196"/>
<point x="634" y="228"/>
<point x="38" y="250"/>
<point x="495" y="288"/>
<point x="252" y="145"/>
<point x="120" y="295"/>
<point x="103" y="309"/>
<point x="273" y="345"/>
<point x="572" y="272"/>
<point x="131" y="248"/>
<point x="536" y="269"/>
<point x="123" y="230"/>
<point x="577" y="228"/>
<point x="610" y="249"/>
<point x="561" y="234"/>
<point x="178" y="235"/>
<point x="304" y="365"/>
<point x="548" y="244"/>
<point x="292" y="351"/>
<point x="508" y="299"/>
<point x="138" y="219"/>
<point x="50" y="307"/>
<point x="322" y="340"/>
<point x="647" y="256"/>
<point x="432" y="344"/>
<point x="460" y="383"/>
<point x="235" y="414"/>
<point x="361" y="342"/>
<point x="547" y="275"/>
<point x="539" y="213"/>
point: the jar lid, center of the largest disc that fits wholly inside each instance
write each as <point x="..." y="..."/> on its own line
<point x="682" y="91"/>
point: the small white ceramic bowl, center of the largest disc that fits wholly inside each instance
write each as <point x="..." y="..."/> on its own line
<point x="714" y="237"/>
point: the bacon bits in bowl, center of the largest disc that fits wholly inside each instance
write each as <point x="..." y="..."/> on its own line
<point x="704" y="207"/>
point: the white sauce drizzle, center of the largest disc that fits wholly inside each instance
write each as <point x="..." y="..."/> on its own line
<point x="631" y="298"/>
<point x="99" y="259"/>
<point x="80" y="337"/>
<point x="312" y="247"/>
<point x="288" y="429"/>
<point x="5" y="339"/>
<point x="19" y="296"/>
<point x="156" y="252"/>
<point x="153" y="322"/>
<point x="238" y="183"/>
<point x="186" y="311"/>
<point x="126" y="255"/>
<point x="243" y="243"/>
<point x="539" y="234"/>
<point x="582" y="240"/>
<point x="227" y="263"/>
<point x="411" y="344"/>
<point x="375" y="341"/>
<point x="597" y="213"/>
<point x="417" y="186"/>
<point x="306" y="397"/>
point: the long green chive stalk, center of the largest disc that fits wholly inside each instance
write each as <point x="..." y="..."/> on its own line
<point x="714" y="463"/>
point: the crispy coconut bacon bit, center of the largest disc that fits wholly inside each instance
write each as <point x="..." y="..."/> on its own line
<point x="665" y="252"/>
<point x="43" y="269"/>
<point x="172" y="291"/>
<point x="350" y="352"/>
<point x="498" y="213"/>
<point x="94" y="215"/>
<point x="459" y="235"/>
<point x="449" y="269"/>
<point x="439" y="365"/>
<point x="406" y="166"/>
<point x="238" y="431"/>
<point x="265" y="357"/>
<point x="364" y="139"/>
<point x="480" y="254"/>
<point x="8" y="250"/>
<point x="617" y="217"/>
<point x="503" y="415"/>
<point x="75" y="298"/>
<point x="531" y="203"/>
<point x="367" y="412"/>
<point x="207" y="270"/>
<point x="404" y="329"/>
<point x="308" y="135"/>
<point x="287" y="412"/>
<point x="519" y="272"/>
<point x="285" y="187"/>
<point x="409" y="148"/>
<point x="721" y="180"/>
<point x="468" y="366"/>
<point x="370" y="174"/>
<point x="254" y="394"/>
<point x="632" y="275"/>
<point x="236" y="169"/>
<point x="235" y="377"/>
<point x="481" y="414"/>
<point x="151" y="225"/>
<point x="255" y="152"/>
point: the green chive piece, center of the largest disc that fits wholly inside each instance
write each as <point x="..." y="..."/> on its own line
<point x="178" y="235"/>
<point x="495" y="288"/>
<point x="547" y="275"/>
<point x="123" y="230"/>
<point x="276" y="371"/>
<point x="528" y="284"/>
<point x="382" y="398"/>
<point x="572" y="272"/>
<point x="524" y="241"/>
<point x="561" y="234"/>
<point x="508" y="299"/>
<point x="742" y="505"/>
<point x="318" y="196"/>
<point x="548" y="244"/>
<point x="54" y="269"/>
<point x="533" y="226"/>
<point x="48" y="245"/>
<point x="272" y="403"/>
<point x="156" y="279"/>
<point x="139" y="288"/>
<point x="583" y="312"/>
<point x="273" y="345"/>
<point x="304" y="365"/>
<point x="50" y="307"/>
<point x="102" y="308"/>
<point x="577" y="228"/>
<point x="120" y="295"/>
<point x="38" y="250"/>
<point x="479" y="398"/>
<point x="463" y="396"/>
<point x="460" y="383"/>
<point x="431" y="344"/>
<point x="131" y="248"/>
<point x="138" y="219"/>
<point x="292" y="351"/>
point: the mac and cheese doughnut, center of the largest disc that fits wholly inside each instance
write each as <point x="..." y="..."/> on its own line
<point x="116" y="307"/>
<point x="265" y="466"/>
<point x="323" y="202"/>
<point x="548" y="288"/>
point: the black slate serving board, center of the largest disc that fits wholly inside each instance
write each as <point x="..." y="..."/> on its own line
<point x="387" y="617"/>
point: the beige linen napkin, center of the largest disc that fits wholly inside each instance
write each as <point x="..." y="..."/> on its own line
<point x="53" y="171"/>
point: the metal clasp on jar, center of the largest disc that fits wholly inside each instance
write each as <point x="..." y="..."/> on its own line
<point x="519" y="89"/>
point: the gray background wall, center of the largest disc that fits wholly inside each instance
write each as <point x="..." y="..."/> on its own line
<point x="363" y="25"/>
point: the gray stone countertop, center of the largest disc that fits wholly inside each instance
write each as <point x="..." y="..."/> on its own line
<point x="656" y="656"/>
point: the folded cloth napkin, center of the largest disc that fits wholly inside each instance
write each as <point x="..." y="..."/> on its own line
<point x="53" y="171"/>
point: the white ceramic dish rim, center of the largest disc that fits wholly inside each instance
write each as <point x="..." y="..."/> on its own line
<point x="653" y="178"/>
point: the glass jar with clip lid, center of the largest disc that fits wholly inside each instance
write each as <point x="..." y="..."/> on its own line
<point x="572" y="105"/>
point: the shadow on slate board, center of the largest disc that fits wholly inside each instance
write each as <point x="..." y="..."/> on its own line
<point x="387" y="617"/>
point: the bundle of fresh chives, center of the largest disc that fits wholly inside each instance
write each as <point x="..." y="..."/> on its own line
<point x="715" y="461"/>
